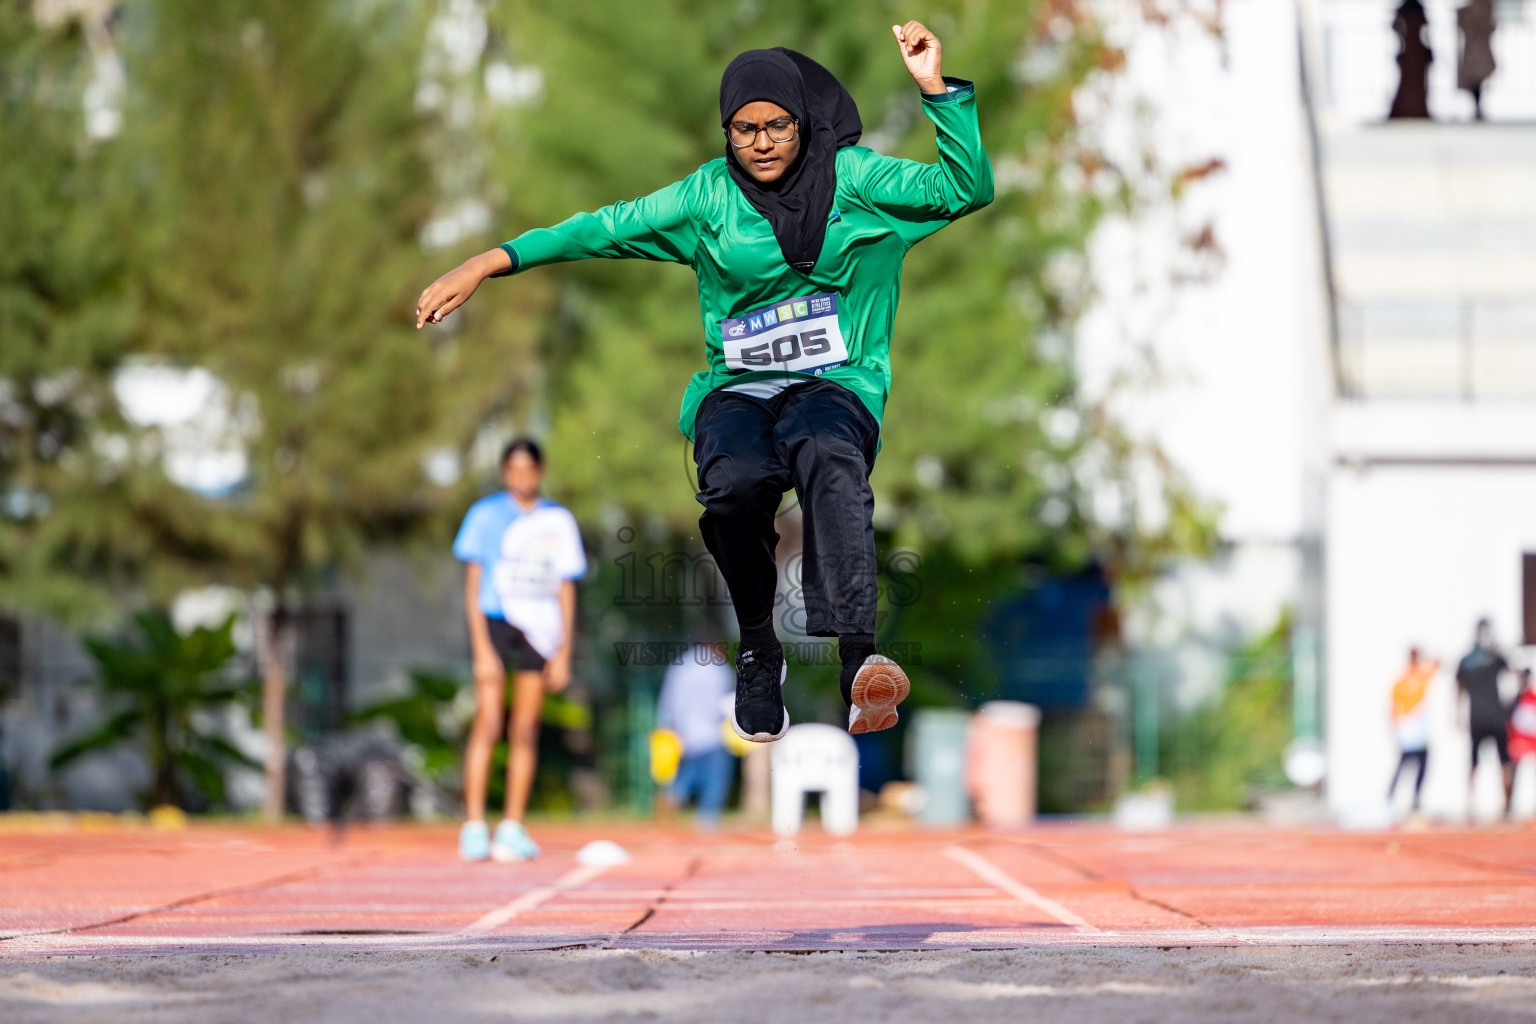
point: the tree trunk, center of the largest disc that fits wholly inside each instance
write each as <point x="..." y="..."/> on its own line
<point x="163" y="789"/>
<point x="274" y="694"/>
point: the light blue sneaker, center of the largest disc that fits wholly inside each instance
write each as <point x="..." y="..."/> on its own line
<point x="512" y="843"/>
<point x="474" y="841"/>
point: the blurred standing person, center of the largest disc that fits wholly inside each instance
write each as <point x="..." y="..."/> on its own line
<point x="797" y="237"/>
<point x="695" y="703"/>
<point x="1486" y="717"/>
<point x="1413" y="59"/>
<point x="1410" y="721"/>
<point x="1522" y="722"/>
<point x="1475" y="64"/>
<point x="522" y="556"/>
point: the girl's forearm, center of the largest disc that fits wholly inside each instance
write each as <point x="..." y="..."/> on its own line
<point x="491" y="262"/>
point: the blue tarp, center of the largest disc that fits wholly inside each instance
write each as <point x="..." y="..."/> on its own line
<point x="1043" y="641"/>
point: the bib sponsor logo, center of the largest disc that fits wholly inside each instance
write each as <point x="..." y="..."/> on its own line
<point x="800" y="335"/>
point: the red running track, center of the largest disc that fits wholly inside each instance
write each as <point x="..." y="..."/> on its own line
<point x="232" y="889"/>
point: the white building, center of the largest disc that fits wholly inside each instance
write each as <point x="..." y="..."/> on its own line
<point x="1431" y="456"/>
<point x="1357" y="385"/>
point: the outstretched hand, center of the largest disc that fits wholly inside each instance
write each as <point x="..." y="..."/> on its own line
<point x="921" y="51"/>
<point x="454" y="288"/>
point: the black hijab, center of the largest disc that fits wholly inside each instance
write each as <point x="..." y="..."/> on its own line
<point x="797" y="205"/>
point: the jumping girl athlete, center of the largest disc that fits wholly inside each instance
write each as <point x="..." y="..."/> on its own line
<point x="797" y="238"/>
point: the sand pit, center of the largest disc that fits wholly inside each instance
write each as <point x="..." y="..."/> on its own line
<point x="1390" y="984"/>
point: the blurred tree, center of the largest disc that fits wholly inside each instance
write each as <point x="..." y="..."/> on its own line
<point x="1220" y="755"/>
<point x="167" y="686"/>
<point x="85" y="511"/>
<point x="294" y="180"/>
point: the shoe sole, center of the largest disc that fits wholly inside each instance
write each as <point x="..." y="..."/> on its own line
<point x="764" y="737"/>
<point x="877" y="689"/>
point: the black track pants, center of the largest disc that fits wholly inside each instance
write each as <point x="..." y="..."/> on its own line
<point x="1410" y="756"/>
<point x="819" y="439"/>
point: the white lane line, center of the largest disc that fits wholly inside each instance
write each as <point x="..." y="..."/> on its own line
<point x="996" y="876"/>
<point x="532" y="898"/>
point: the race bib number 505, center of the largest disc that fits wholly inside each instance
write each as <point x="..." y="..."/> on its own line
<point x="796" y="334"/>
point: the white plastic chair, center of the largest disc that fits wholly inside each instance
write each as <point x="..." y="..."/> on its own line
<point x="813" y="758"/>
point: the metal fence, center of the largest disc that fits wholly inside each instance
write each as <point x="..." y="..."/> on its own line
<point x="1457" y="349"/>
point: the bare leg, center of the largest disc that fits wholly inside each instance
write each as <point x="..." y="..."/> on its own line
<point x="483" y="735"/>
<point x="523" y="740"/>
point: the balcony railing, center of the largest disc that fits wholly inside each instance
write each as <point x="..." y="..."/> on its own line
<point x="1359" y="56"/>
<point x="1473" y="349"/>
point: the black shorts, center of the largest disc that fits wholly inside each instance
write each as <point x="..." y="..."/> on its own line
<point x="1498" y="733"/>
<point x="514" y="650"/>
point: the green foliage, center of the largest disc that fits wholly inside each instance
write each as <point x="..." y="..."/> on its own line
<point x="257" y="215"/>
<point x="78" y="514"/>
<point x="423" y="719"/>
<point x="292" y="180"/>
<point x="1219" y="754"/>
<point x="432" y="719"/>
<point x="163" y="689"/>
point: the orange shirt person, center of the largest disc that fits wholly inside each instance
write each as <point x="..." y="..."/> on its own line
<point x="1410" y="720"/>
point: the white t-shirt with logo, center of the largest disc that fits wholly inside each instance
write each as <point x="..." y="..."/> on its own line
<point x="540" y="550"/>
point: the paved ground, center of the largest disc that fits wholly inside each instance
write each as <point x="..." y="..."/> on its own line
<point x="226" y="889"/>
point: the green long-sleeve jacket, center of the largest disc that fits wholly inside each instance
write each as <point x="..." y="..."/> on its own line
<point x="761" y="317"/>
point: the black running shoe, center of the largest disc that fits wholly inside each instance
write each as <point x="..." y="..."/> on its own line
<point x="760" y="716"/>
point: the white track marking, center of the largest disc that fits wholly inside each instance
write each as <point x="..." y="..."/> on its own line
<point x="996" y="876"/>
<point x="533" y="898"/>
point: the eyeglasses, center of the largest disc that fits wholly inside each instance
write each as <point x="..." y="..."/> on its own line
<point x="780" y="129"/>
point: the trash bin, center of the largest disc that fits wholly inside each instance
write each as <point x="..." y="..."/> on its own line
<point x="936" y="762"/>
<point x="1001" y="763"/>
